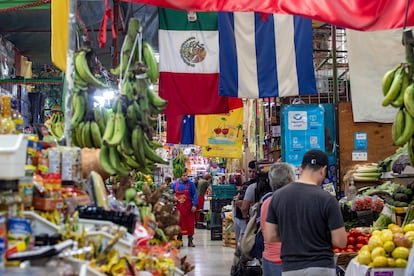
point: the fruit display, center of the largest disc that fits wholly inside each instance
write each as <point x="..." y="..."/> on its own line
<point x="178" y="164"/>
<point x="56" y="124"/>
<point x="398" y="91"/>
<point x="356" y="239"/>
<point x="88" y="121"/>
<point x="389" y="247"/>
<point x="127" y="142"/>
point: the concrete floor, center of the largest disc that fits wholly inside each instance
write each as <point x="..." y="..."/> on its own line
<point x="210" y="258"/>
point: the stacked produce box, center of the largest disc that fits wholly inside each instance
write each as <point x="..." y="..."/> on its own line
<point x="222" y="195"/>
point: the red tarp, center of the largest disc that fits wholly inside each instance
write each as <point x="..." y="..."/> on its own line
<point x="364" y="15"/>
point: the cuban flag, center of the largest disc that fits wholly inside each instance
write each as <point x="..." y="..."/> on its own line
<point x="265" y="55"/>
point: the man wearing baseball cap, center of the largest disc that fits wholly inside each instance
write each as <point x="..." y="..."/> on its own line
<point x="307" y="220"/>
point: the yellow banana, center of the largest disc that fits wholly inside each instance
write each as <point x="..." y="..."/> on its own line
<point x="398" y="125"/>
<point x="105" y="161"/>
<point x="388" y="79"/>
<point x="409" y="99"/>
<point x="394" y="88"/>
<point x="408" y="130"/>
<point x="81" y="65"/>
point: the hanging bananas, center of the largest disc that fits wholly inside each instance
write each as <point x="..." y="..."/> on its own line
<point x="398" y="91"/>
<point x="178" y="164"/>
<point x="56" y="125"/>
<point x="127" y="138"/>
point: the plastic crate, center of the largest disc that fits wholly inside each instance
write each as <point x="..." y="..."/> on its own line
<point x="216" y="233"/>
<point x="216" y="220"/>
<point x="218" y="204"/>
<point x="223" y="191"/>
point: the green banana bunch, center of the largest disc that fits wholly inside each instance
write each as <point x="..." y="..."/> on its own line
<point x="398" y="125"/>
<point x="83" y="70"/>
<point x="388" y="79"/>
<point x="406" y="123"/>
<point x="399" y="100"/>
<point x="79" y="108"/>
<point x="395" y="87"/>
<point x="127" y="137"/>
<point x="134" y="27"/>
<point x="410" y="150"/>
<point x="151" y="62"/>
<point x="409" y="99"/>
<point x="178" y="164"/>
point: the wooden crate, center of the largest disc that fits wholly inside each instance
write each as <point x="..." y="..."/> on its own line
<point x="229" y="237"/>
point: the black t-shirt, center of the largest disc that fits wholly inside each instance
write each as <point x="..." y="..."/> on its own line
<point x="306" y="215"/>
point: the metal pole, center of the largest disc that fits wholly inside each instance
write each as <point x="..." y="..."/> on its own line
<point x="115" y="39"/>
<point x="70" y="69"/>
<point x="334" y="66"/>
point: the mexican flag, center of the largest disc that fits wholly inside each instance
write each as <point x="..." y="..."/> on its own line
<point x="189" y="63"/>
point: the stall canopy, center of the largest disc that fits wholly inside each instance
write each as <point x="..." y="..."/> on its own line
<point x="354" y="14"/>
<point x="27" y="24"/>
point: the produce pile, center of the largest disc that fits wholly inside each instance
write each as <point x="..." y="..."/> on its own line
<point x="394" y="194"/>
<point x="56" y="124"/>
<point x="178" y="164"/>
<point x="127" y="140"/>
<point x="123" y="132"/>
<point x="356" y="239"/>
<point x="388" y="247"/>
<point x="398" y="91"/>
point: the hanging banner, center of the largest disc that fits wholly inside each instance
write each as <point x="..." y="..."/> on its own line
<point x="225" y="135"/>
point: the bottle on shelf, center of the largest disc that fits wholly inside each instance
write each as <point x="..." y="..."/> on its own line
<point x="16" y="117"/>
<point x="352" y="190"/>
<point x="7" y="124"/>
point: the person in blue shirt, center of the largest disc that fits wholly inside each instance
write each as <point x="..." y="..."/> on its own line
<point x="187" y="200"/>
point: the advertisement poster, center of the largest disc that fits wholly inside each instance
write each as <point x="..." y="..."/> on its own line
<point x="307" y="127"/>
<point x="225" y="135"/>
<point x="304" y="130"/>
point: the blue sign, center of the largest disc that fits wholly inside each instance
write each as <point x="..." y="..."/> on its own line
<point x="360" y="140"/>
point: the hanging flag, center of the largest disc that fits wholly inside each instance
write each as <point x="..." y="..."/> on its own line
<point x="189" y="63"/>
<point x="265" y="55"/>
<point x="192" y="129"/>
<point x="59" y="35"/>
<point x="355" y="14"/>
<point x="225" y="135"/>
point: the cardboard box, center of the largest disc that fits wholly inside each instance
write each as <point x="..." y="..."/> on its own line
<point x="47" y="204"/>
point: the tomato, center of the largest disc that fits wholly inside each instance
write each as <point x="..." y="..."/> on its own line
<point x="354" y="232"/>
<point x="351" y="240"/>
<point x="350" y="246"/>
<point x="358" y="246"/>
<point x="362" y="239"/>
<point x="337" y="250"/>
<point x="349" y="250"/>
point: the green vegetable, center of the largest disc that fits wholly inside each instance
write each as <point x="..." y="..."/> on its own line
<point x="382" y="222"/>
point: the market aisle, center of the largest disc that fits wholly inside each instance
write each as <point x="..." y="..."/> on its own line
<point x="209" y="257"/>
